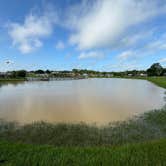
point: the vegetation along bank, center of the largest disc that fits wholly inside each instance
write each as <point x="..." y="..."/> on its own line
<point x="132" y="142"/>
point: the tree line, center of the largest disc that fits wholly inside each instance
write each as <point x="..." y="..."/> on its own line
<point x="155" y="70"/>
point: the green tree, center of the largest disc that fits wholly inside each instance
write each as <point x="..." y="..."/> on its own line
<point x="155" y="70"/>
<point x="21" y="73"/>
<point x="48" y="71"/>
<point x="39" y="72"/>
<point x="13" y="74"/>
<point x="164" y="72"/>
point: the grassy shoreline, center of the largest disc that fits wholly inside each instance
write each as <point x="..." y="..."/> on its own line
<point x="148" y="126"/>
<point x="159" y="81"/>
<point x="132" y="142"/>
<point x="12" y="80"/>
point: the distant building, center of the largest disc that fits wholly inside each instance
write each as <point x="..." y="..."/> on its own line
<point x="101" y="75"/>
<point x="2" y="74"/>
<point x="85" y="75"/>
<point x="130" y="75"/>
<point x="42" y="75"/>
<point x="55" y="72"/>
<point x="143" y="75"/>
<point x="109" y="75"/>
<point x="9" y="73"/>
<point x="71" y="74"/>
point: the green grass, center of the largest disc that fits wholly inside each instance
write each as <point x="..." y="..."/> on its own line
<point x="144" y="154"/>
<point x="159" y="81"/>
<point x="2" y="80"/>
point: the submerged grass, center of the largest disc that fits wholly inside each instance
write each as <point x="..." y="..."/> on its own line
<point x="149" y="126"/>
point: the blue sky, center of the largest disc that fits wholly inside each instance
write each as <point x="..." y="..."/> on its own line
<point x="102" y="35"/>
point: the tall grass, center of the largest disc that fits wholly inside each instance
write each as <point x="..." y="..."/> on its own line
<point x="144" y="154"/>
<point x="148" y="126"/>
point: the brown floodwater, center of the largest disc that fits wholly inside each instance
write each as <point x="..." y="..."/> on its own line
<point x="89" y="100"/>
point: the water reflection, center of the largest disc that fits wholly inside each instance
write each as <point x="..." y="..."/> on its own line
<point x="90" y="100"/>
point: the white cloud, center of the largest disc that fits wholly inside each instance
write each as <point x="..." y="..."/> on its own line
<point x="60" y="45"/>
<point x="123" y="66"/>
<point x="7" y="65"/>
<point x="105" y="23"/>
<point x="27" y="36"/>
<point x="158" y="44"/>
<point x="163" y="60"/>
<point x="91" y="54"/>
<point x="148" y="48"/>
<point x="126" y="54"/>
<point x="135" y="38"/>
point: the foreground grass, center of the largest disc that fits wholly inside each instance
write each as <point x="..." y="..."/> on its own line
<point x="140" y="141"/>
<point x="144" y="154"/>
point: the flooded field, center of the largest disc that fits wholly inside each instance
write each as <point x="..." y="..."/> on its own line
<point x="89" y="100"/>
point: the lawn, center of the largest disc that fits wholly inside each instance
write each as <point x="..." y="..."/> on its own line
<point x="160" y="81"/>
<point x="145" y="154"/>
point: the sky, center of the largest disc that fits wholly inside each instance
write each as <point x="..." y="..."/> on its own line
<point x="104" y="35"/>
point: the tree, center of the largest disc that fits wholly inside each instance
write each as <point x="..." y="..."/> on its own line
<point x="13" y="74"/>
<point x="48" y="71"/>
<point x="164" y="72"/>
<point x="21" y="73"/>
<point x="39" y="72"/>
<point x="155" y="70"/>
<point x="75" y="70"/>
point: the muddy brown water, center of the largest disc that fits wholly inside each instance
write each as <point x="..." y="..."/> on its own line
<point x="89" y="100"/>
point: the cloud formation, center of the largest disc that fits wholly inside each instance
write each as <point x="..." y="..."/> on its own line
<point x="60" y="45"/>
<point x="27" y="36"/>
<point x="94" y="25"/>
<point x="157" y="44"/>
<point x="163" y="60"/>
<point x="106" y="23"/>
<point x="126" y="54"/>
<point x="123" y="66"/>
<point x="91" y="54"/>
